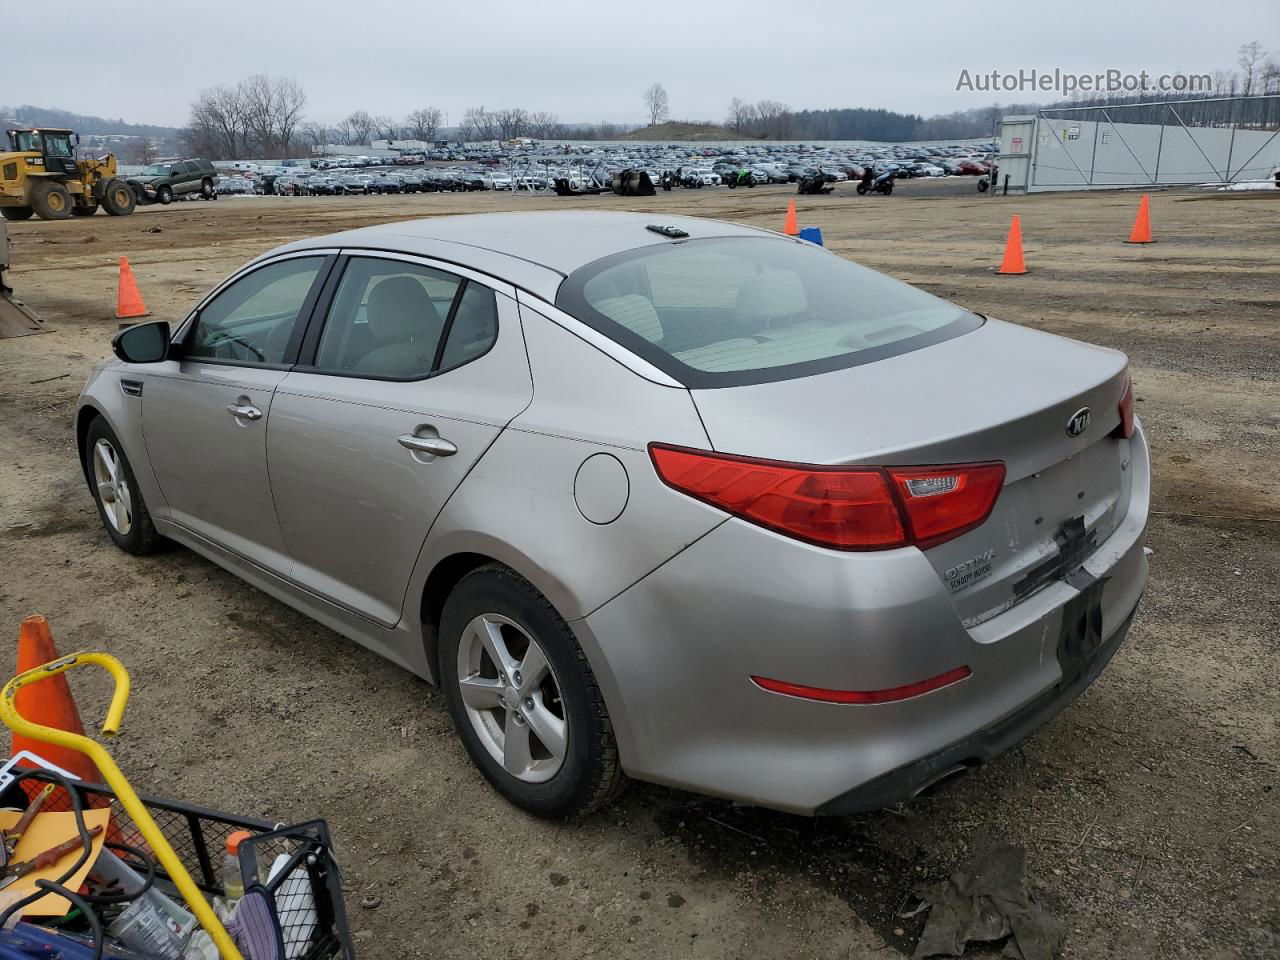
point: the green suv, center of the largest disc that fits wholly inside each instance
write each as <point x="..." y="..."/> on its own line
<point x="161" y="182"/>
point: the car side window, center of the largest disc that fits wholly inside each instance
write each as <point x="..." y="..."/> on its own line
<point x="474" y="328"/>
<point x="251" y="321"/>
<point x="389" y="318"/>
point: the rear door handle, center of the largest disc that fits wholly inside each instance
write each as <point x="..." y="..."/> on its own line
<point x="435" y="446"/>
<point x="244" y="411"/>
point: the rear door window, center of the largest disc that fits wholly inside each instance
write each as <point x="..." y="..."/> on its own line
<point x="724" y="312"/>
<point x="395" y="320"/>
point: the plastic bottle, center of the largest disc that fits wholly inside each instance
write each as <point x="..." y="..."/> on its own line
<point x="232" y="878"/>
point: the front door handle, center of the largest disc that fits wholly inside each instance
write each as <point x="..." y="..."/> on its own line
<point x="244" y="411"/>
<point x="435" y="446"/>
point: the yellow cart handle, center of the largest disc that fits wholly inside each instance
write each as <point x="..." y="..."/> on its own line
<point x="114" y="778"/>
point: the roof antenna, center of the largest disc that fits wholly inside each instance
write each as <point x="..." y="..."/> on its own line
<point x="675" y="233"/>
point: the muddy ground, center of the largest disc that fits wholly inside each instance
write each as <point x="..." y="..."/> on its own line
<point x="1148" y="809"/>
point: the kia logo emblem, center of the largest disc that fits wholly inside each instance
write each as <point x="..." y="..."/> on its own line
<point x="1079" y="422"/>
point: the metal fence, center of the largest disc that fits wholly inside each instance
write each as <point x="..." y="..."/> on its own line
<point x="1210" y="140"/>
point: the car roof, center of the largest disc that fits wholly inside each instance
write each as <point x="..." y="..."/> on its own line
<point x="533" y="250"/>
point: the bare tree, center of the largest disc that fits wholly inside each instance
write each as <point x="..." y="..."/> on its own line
<point x="218" y="126"/>
<point x="259" y="115"/>
<point x="315" y="134"/>
<point x="479" y="124"/>
<point x="423" y="124"/>
<point x="1251" y="55"/>
<point x="289" y="102"/>
<point x="773" y="119"/>
<point x="510" y="122"/>
<point x="656" y="104"/>
<point x="545" y="126"/>
<point x="357" y="128"/>
<point x="385" y="128"/>
<point x="741" y="115"/>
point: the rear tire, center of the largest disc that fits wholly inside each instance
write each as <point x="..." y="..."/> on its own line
<point x="562" y="697"/>
<point x="118" y="198"/>
<point x="51" y="200"/>
<point x="207" y="191"/>
<point x="16" y="213"/>
<point x="121" y="508"/>
<point x="88" y="210"/>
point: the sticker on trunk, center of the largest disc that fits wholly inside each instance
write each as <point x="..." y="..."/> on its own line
<point x="965" y="575"/>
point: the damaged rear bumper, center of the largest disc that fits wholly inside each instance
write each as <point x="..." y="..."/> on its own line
<point x="987" y="744"/>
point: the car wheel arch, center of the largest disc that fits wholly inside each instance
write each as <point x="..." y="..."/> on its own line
<point x="84" y="419"/>
<point x="449" y="569"/>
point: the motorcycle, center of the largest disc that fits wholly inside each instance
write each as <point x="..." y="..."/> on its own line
<point x="883" y="183"/>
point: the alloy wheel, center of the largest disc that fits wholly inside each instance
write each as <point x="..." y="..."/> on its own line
<point x="512" y="698"/>
<point x="113" y="487"/>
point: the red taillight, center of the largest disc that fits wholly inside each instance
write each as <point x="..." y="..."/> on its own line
<point x="823" y="695"/>
<point x="944" y="502"/>
<point x="847" y="508"/>
<point x="1126" y="410"/>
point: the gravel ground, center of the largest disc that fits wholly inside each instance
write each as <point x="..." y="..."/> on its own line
<point x="1148" y="808"/>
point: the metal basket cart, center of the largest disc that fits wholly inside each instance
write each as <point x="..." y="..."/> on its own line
<point x="290" y="870"/>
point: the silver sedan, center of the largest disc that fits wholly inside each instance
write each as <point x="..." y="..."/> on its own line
<point x="683" y="500"/>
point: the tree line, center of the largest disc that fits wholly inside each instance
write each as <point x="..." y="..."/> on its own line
<point x="262" y="116"/>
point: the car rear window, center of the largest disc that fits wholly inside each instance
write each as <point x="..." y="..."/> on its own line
<point x="733" y="311"/>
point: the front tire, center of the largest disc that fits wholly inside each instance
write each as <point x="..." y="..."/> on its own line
<point x="523" y="698"/>
<point x="165" y="195"/>
<point x="118" y="198"/>
<point x="120" y="505"/>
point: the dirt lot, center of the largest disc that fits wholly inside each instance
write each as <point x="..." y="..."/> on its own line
<point x="1148" y="809"/>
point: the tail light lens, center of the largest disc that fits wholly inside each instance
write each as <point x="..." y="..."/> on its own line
<point x="944" y="502"/>
<point x="1126" y="410"/>
<point x="846" y="508"/>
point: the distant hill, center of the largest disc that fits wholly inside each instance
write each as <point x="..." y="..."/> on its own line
<point x="676" y="130"/>
<point x="82" y="124"/>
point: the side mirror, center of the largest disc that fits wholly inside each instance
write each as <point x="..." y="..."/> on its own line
<point x="143" y="343"/>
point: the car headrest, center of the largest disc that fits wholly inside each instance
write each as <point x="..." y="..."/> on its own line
<point x="634" y="312"/>
<point x="400" y="309"/>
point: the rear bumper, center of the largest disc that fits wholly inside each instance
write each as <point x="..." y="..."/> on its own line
<point x="907" y="781"/>
<point x="675" y="652"/>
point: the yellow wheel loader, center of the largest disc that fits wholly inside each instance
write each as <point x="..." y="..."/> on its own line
<point x="41" y="175"/>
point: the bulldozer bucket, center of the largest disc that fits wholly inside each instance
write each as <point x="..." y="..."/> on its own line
<point x="16" y="318"/>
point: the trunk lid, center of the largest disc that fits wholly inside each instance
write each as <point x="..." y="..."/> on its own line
<point x="1001" y="392"/>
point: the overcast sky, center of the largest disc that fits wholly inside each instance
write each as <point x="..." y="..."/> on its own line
<point x="591" y="61"/>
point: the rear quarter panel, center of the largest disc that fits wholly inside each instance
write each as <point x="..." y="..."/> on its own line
<point x="518" y="505"/>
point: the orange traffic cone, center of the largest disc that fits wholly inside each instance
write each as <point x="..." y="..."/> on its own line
<point x="789" y="226"/>
<point x="128" y="300"/>
<point x="1142" y="223"/>
<point x="1013" y="262"/>
<point x="48" y="702"/>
